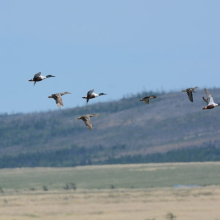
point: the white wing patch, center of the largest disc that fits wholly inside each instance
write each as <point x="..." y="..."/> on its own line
<point x="210" y="97"/>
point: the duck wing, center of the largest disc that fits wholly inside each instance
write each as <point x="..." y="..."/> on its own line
<point x="90" y="92"/>
<point x="87" y="121"/>
<point x="64" y="93"/>
<point x="93" y="115"/>
<point x="189" y="93"/>
<point x="59" y="101"/>
<point x="210" y="97"/>
<point x="205" y="99"/>
<point x="146" y="101"/>
<point x="37" y="75"/>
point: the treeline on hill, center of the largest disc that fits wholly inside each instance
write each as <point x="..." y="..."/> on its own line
<point x="35" y="130"/>
<point x="124" y="128"/>
<point x="79" y="156"/>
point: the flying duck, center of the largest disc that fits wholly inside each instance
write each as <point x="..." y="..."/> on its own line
<point x="92" y="95"/>
<point x="86" y="119"/>
<point x="58" y="98"/>
<point x="210" y="101"/>
<point x="38" y="77"/>
<point x="205" y="99"/>
<point x="189" y="92"/>
<point x="148" y="98"/>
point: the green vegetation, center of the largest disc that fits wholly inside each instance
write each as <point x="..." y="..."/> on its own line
<point x="78" y="156"/>
<point x="104" y="177"/>
<point x="209" y="153"/>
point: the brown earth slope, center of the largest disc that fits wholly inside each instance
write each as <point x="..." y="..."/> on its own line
<point x="169" y="122"/>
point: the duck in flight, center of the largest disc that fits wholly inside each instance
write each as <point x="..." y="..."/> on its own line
<point x="205" y="99"/>
<point x="86" y="119"/>
<point x="148" y="98"/>
<point x="92" y="95"/>
<point x="189" y="92"/>
<point x="209" y="100"/>
<point x="58" y="98"/>
<point x="38" y="77"/>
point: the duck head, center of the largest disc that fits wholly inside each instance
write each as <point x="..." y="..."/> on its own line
<point x="48" y="76"/>
<point x="102" y="94"/>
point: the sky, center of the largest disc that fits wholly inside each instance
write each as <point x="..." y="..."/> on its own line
<point x="118" y="47"/>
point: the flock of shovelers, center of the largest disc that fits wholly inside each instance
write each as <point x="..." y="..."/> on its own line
<point x="90" y="95"/>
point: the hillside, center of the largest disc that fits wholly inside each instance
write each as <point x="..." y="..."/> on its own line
<point x="125" y="127"/>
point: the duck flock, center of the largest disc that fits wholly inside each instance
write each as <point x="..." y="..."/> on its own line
<point x="90" y="95"/>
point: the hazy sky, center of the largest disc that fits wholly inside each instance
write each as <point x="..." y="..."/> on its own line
<point x="117" y="47"/>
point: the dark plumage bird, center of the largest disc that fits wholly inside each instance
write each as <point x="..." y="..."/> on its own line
<point x="92" y="95"/>
<point x="86" y="119"/>
<point x="148" y="98"/>
<point x="189" y="92"/>
<point x="38" y="77"/>
<point x="58" y="98"/>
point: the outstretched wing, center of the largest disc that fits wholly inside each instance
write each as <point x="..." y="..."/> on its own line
<point x="210" y="97"/>
<point x="37" y="75"/>
<point x="205" y="99"/>
<point x="189" y="93"/>
<point x="90" y="92"/>
<point x="146" y="101"/>
<point x="59" y="102"/>
<point x="88" y="122"/>
<point x="93" y="115"/>
<point x="64" y="93"/>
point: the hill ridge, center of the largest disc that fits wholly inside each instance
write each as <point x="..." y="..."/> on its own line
<point x="169" y="122"/>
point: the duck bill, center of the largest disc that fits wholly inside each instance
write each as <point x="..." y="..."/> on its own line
<point x="50" y="97"/>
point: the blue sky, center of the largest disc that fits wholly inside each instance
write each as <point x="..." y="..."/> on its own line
<point x="116" y="47"/>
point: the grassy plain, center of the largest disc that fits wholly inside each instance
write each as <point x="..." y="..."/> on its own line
<point x="116" y="192"/>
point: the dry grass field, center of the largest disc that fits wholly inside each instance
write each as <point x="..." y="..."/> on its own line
<point x="103" y="197"/>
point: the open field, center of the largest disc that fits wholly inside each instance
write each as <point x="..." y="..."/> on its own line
<point x="121" y="176"/>
<point x="130" y="204"/>
<point x="143" y="191"/>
